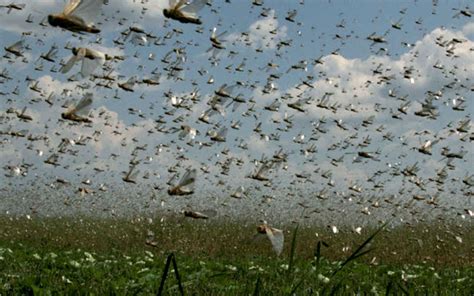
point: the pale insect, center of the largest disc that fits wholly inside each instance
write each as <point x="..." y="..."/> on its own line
<point x="91" y="59"/>
<point x="16" y="48"/>
<point x="75" y="112"/>
<point x="185" y="186"/>
<point x="184" y="11"/>
<point x="275" y="236"/>
<point x="78" y="16"/>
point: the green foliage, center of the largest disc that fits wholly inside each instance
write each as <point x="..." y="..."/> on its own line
<point x="39" y="261"/>
<point x="31" y="271"/>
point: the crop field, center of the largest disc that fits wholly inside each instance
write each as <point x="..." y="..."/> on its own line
<point x="44" y="256"/>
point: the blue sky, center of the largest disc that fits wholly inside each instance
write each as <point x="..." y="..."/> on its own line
<point x="123" y="121"/>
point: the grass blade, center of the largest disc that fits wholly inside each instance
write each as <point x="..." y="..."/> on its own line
<point x="335" y="289"/>
<point x="317" y="252"/>
<point x="389" y="288"/>
<point x="405" y="292"/>
<point x="358" y="252"/>
<point x="256" y="291"/>
<point x="293" y="291"/>
<point x="293" y="250"/>
<point x="171" y="259"/>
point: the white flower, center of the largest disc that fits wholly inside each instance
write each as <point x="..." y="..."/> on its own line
<point x="74" y="263"/>
<point x="323" y="278"/>
<point x="89" y="257"/>
<point x="53" y="255"/>
<point x="256" y="267"/>
<point x="231" y="267"/>
<point x="65" y="279"/>
<point x="461" y="279"/>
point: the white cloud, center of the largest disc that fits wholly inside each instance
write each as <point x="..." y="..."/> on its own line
<point x="352" y="81"/>
<point x="264" y="33"/>
<point x="468" y="29"/>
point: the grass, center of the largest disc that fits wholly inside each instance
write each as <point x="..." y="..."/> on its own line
<point x="87" y="256"/>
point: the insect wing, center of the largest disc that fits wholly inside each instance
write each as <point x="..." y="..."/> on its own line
<point x="18" y="46"/>
<point x="84" y="104"/>
<point x="277" y="239"/>
<point x="222" y="132"/>
<point x="172" y="180"/>
<point x="171" y="3"/>
<point x="90" y="65"/>
<point x="188" y="178"/>
<point x="193" y="7"/>
<point x="80" y="55"/>
<point x="71" y="6"/>
<point x="263" y="170"/>
<point x="87" y="10"/>
<point x="69" y="64"/>
<point x="132" y="174"/>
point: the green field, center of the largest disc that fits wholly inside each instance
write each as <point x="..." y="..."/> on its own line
<point x="72" y="256"/>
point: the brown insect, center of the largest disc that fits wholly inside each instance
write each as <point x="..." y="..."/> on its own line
<point x="184" y="11"/>
<point x="77" y="16"/>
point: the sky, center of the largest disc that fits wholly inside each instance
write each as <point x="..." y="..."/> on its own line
<point x="352" y="89"/>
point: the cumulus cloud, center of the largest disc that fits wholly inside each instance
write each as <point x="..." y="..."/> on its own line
<point x="352" y="81"/>
<point x="263" y="34"/>
<point x="468" y="29"/>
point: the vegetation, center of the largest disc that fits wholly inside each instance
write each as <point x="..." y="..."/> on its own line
<point x="204" y="257"/>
